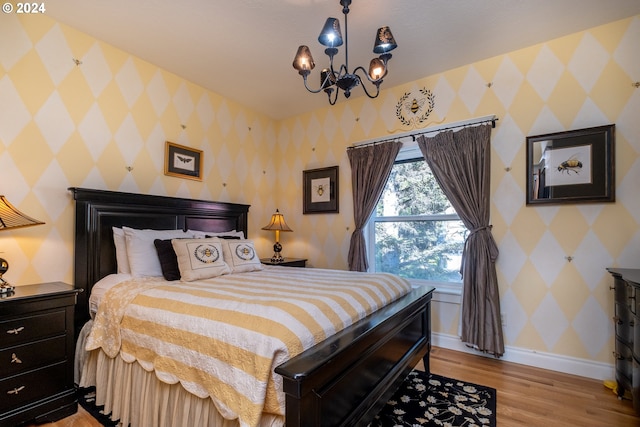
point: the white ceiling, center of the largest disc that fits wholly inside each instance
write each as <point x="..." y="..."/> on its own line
<point x="243" y="49"/>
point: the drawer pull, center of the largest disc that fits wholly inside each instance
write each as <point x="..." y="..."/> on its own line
<point x="16" y="331"/>
<point x="14" y="358"/>
<point x="16" y="390"/>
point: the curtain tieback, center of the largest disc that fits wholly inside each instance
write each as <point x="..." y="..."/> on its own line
<point x="475" y="230"/>
<point x="493" y="248"/>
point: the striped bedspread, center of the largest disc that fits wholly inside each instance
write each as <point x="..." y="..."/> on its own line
<point x="223" y="337"/>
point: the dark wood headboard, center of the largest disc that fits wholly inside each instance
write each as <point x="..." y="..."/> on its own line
<point x="99" y="210"/>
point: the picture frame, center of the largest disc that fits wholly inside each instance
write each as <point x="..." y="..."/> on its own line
<point x="575" y="166"/>
<point x="182" y="162"/>
<point x="320" y="190"/>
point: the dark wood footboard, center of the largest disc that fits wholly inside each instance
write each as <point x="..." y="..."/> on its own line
<point x="346" y="379"/>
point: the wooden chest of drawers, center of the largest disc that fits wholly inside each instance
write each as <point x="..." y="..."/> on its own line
<point x="36" y="354"/>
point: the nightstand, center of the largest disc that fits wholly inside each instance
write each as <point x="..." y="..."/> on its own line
<point x="287" y="262"/>
<point x="37" y="353"/>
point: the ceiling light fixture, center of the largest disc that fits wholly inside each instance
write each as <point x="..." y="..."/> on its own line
<point x="331" y="37"/>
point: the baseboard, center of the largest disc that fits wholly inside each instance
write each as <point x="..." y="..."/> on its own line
<point x="569" y="365"/>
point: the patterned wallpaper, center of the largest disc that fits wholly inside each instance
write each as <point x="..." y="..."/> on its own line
<point x="77" y="112"/>
<point x="550" y="305"/>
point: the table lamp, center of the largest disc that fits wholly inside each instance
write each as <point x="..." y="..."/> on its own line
<point x="277" y="224"/>
<point x="10" y="217"/>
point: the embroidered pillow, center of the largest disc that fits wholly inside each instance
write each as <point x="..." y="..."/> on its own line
<point x="199" y="258"/>
<point x="240" y="255"/>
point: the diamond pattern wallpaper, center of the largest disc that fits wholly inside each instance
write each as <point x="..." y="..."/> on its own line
<point x="75" y="111"/>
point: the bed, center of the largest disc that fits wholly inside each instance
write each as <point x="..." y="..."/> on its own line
<point x="342" y="381"/>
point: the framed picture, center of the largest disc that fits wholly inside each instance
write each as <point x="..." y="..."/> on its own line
<point x="571" y="167"/>
<point x="320" y="190"/>
<point x="182" y="162"/>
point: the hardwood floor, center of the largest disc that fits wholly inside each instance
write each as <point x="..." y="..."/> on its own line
<point x="532" y="397"/>
<point x="527" y="397"/>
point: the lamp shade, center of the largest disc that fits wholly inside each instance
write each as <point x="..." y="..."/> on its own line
<point x="303" y="60"/>
<point x="277" y="223"/>
<point x="384" y="41"/>
<point x="10" y="217"/>
<point x="377" y="70"/>
<point x="327" y="78"/>
<point x="331" y="36"/>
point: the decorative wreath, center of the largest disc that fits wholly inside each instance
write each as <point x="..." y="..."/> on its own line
<point x="415" y="111"/>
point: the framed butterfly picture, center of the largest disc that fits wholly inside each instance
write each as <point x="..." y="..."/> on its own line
<point x="182" y="162"/>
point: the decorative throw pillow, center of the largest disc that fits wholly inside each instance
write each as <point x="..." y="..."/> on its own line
<point x="121" y="251"/>
<point x="142" y="255"/>
<point x="200" y="258"/>
<point x="168" y="259"/>
<point x="240" y="256"/>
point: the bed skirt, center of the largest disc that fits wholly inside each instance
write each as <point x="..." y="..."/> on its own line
<point x="138" y="398"/>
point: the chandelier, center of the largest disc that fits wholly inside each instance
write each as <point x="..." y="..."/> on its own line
<point x="331" y="38"/>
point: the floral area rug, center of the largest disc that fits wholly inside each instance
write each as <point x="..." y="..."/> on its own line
<point x="432" y="400"/>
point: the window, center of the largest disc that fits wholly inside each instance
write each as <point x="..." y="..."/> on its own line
<point x="414" y="231"/>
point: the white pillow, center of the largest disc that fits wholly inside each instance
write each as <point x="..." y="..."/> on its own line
<point x="199" y="258"/>
<point x="240" y="256"/>
<point x="121" y="251"/>
<point x="141" y="252"/>
<point x="201" y="234"/>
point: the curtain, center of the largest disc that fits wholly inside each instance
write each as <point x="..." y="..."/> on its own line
<point x="370" y="169"/>
<point x="460" y="162"/>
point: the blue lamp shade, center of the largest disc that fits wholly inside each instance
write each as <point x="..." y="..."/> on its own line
<point x="384" y="41"/>
<point x="331" y="35"/>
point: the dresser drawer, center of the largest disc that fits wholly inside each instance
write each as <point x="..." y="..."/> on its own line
<point x="32" y="327"/>
<point x="22" y="358"/>
<point x="32" y="386"/>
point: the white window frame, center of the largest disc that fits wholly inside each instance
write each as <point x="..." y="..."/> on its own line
<point x="409" y="151"/>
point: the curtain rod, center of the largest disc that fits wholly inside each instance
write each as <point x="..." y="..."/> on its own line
<point x="447" y="126"/>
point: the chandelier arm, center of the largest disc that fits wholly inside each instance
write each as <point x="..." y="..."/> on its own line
<point x="364" y="87"/>
<point x="342" y="71"/>
<point x="304" y="77"/>
<point x="375" y="82"/>
<point x="335" y="97"/>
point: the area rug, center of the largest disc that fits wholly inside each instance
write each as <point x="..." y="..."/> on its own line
<point x="433" y="400"/>
<point x="87" y="399"/>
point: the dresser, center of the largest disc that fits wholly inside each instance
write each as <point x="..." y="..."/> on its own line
<point x="626" y="286"/>
<point x="36" y="354"/>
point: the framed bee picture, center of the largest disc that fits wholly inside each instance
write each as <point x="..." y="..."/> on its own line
<point x="182" y="162"/>
<point x="571" y="167"/>
<point x="320" y="190"/>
